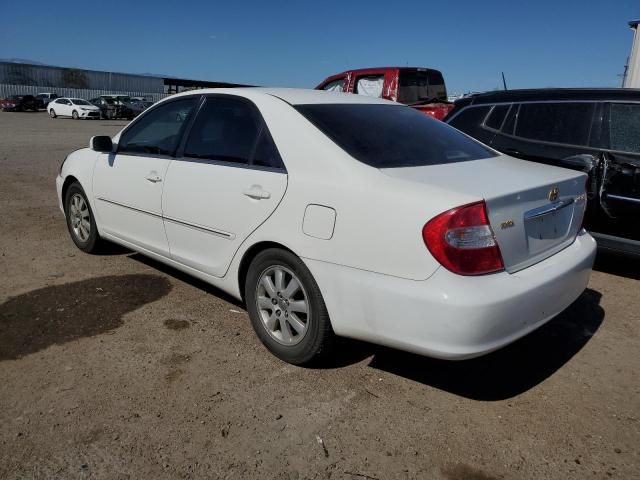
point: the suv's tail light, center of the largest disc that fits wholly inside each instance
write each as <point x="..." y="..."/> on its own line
<point x="461" y="239"/>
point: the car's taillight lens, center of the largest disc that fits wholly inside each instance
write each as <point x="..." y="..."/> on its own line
<point x="462" y="241"/>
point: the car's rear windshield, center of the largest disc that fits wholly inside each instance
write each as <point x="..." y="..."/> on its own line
<point x="421" y="86"/>
<point x="390" y="136"/>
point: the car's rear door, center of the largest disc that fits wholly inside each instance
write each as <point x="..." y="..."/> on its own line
<point x="227" y="180"/>
<point x="128" y="184"/>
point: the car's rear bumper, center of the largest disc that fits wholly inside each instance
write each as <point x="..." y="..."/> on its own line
<point x="452" y="316"/>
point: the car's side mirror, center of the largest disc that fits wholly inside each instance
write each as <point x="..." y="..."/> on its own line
<point x="583" y="162"/>
<point x="101" y="143"/>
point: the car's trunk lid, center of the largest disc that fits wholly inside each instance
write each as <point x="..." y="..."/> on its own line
<point x="534" y="210"/>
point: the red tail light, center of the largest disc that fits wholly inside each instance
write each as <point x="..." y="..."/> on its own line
<point x="436" y="110"/>
<point x="462" y="241"/>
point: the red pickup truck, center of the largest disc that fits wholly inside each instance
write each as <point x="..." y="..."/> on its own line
<point x="420" y="88"/>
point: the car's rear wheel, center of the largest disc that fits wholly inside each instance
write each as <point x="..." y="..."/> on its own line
<point x="80" y="220"/>
<point x="74" y="115"/>
<point x="286" y="308"/>
<point x="52" y="113"/>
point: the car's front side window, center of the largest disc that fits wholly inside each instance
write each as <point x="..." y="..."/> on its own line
<point x="624" y="127"/>
<point x="335" y="85"/>
<point x="158" y="131"/>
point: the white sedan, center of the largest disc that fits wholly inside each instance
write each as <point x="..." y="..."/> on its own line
<point x="335" y="214"/>
<point x="75" y="108"/>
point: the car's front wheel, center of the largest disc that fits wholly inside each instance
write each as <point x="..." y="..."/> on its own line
<point x="74" y="115"/>
<point x="80" y="220"/>
<point x="286" y="308"/>
<point x="52" y="113"/>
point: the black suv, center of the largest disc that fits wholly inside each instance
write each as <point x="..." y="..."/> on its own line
<point x="593" y="130"/>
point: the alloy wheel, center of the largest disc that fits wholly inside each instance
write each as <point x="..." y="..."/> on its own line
<point x="79" y="217"/>
<point x="283" y="305"/>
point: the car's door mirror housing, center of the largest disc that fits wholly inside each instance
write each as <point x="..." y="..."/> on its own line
<point x="585" y="162"/>
<point x="101" y="143"/>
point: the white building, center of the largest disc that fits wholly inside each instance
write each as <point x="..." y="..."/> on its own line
<point x="632" y="72"/>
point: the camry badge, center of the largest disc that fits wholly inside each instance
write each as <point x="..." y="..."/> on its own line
<point x="553" y="194"/>
<point x="507" y="224"/>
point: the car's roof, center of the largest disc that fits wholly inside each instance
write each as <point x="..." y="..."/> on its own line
<point x="596" y="94"/>
<point x="294" y="96"/>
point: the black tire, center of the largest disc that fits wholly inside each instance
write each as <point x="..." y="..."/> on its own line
<point x="317" y="341"/>
<point x="92" y="243"/>
<point x="52" y="113"/>
<point x="74" y="115"/>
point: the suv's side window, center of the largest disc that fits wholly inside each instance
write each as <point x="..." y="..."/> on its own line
<point x="335" y="85"/>
<point x="624" y="127"/>
<point x="158" y="131"/>
<point x="231" y="130"/>
<point x="470" y="119"/>
<point x="496" y="117"/>
<point x="568" y="123"/>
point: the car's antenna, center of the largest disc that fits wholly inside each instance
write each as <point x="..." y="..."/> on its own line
<point x="504" y="82"/>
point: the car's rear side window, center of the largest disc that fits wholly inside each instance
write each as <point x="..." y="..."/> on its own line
<point x="624" y="127"/>
<point x="388" y="136"/>
<point x="231" y="130"/>
<point x="470" y="119"/>
<point x="568" y="123"/>
<point x="496" y="117"/>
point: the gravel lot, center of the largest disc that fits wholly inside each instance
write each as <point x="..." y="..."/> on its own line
<point x="118" y="367"/>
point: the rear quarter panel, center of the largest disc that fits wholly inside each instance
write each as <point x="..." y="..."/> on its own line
<point x="379" y="219"/>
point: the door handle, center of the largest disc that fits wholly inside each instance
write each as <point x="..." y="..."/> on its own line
<point x="257" y="193"/>
<point x="154" y="178"/>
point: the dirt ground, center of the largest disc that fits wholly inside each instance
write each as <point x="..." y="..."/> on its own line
<point x="117" y="367"/>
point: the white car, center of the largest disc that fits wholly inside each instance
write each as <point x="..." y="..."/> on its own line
<point x="335" y="214"/>
<point x="75" y="108"/>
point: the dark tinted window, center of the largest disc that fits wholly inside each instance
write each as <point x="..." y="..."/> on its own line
<point x="624" y="127"/>
<point x="225" y="129"/>
<point x="568" y="123"/>
<point x="158" y="131"/>
<point x="386" y="136"/>
<point x="266" y="154"/>
<point x="470" y="119"/>
<point x="496" y="117"/>
<point x="420" y="86"/>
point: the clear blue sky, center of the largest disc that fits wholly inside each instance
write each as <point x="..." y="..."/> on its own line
<point x="298" y="43"/>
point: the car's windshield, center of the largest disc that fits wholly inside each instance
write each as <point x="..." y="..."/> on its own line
<point x="79" y="101"/>
<point x="391" y="136"/>
<point x="108" y="101"/>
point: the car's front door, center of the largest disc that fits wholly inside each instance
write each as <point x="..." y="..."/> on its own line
<point x="61" y="107"/>
<point x="227" y="180"/>
<point x="127" y="184"/>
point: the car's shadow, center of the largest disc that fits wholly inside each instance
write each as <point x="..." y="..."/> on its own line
<point x="185" y="277"/>
<point x="507" y="372"/>
<point x="500" y="375"/>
